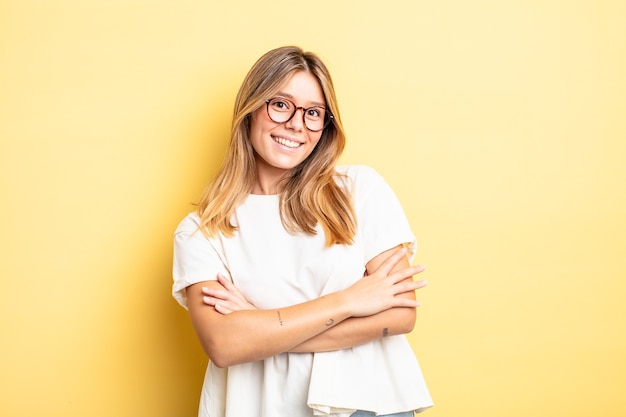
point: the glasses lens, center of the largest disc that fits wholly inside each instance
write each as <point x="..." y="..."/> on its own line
<point x="280" y="110"/>
<point x="314" y="118"/>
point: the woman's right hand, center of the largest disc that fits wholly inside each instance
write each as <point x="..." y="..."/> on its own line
<point x="378" y="291"/>
<point x="227" y="299"/>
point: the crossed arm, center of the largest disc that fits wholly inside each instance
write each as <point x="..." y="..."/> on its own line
<point x="232" y="331"/>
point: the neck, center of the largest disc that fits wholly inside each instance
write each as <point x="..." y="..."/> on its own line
<point x="264" y="189"/>
<point x="268" y="180"/>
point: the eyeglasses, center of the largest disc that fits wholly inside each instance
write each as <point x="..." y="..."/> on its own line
<point x="282" y="110"/>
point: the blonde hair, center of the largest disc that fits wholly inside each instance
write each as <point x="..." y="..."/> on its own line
<point x="310" y="194"/>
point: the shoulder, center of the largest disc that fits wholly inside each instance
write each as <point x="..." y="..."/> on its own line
<point x="359" y="174"/>
<point x="360" y="178"/>
<point x="189" y="225"/>
<point x="357" y="171"/>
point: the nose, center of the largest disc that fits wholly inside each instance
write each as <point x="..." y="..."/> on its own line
<point x="296" y="122"/>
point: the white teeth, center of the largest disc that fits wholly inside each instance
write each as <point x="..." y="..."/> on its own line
<point x="286" y="142"/>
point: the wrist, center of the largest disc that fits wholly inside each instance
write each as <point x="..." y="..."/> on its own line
<point x="342" y="301"/>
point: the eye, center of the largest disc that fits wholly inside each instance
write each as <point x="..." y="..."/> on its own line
<point x="314" y="112"/>
<point x="280" y="105"/>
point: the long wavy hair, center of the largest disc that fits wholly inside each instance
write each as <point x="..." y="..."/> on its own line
<point x="311" y="193"/>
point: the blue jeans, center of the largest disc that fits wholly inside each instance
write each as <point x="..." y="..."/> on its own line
<point x="369" y="414"/>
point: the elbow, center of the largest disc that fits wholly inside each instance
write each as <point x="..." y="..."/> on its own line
<point x="219" y="357"/>
<point x="219" y="362"/>
<point x="227" y="352"/>
<point x="225" y="360"/>
<point x="406" y="320"/>
<point x="222" y="350"/>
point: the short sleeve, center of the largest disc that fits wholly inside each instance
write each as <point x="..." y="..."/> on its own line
<point x="382" y="223"/>
<point x="195" y="258"/>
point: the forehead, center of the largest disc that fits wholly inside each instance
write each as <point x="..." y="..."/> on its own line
<point x="303" y="88"/>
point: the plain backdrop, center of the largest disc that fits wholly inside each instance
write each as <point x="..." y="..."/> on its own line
<point x="500" y="125"/>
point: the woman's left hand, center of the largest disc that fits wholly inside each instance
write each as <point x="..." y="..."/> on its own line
<point x="228" y="300"/>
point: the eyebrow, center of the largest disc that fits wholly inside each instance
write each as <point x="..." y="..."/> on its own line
<point x="292" y="98"/>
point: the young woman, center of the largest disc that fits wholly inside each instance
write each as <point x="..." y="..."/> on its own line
<point x="295" y="271"/>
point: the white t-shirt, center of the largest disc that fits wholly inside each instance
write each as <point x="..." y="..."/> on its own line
<point x="273" y="269"/>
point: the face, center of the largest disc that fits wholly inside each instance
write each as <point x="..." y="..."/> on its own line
<point x="280" y="147"/>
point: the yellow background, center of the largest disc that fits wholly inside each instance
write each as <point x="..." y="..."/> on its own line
<point x="500" y="124"/>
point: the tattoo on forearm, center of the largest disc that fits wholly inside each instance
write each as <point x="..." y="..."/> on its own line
<point x="330" y="322"/>
<point x="280" y="319"/>
<point x="385" y="332"/>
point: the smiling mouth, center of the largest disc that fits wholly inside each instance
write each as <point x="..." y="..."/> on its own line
<point x="286" y="142"/>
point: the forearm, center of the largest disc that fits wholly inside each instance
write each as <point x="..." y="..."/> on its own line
<point x="250" y="335"/>
<point x="360" y="330"/>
